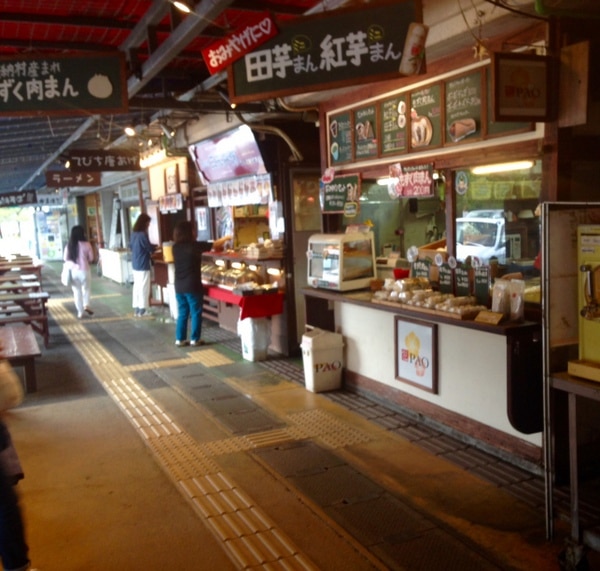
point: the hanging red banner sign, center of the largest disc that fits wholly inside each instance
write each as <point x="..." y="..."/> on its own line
<point x="257" y="30"/>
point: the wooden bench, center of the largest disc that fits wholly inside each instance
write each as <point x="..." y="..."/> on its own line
<point x="19" y="346"/>
<point x="27" y="308"/>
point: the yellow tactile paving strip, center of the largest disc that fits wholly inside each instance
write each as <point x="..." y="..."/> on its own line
<point x="248" y="535"/>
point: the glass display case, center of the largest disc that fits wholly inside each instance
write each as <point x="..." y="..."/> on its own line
<point x="341" y="262"/>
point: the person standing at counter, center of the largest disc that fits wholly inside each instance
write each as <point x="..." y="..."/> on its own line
<point x="189" y="292"/>
<point x="141" y="253"/>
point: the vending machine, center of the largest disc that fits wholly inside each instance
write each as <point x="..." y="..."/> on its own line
<point x="588" y="262"/>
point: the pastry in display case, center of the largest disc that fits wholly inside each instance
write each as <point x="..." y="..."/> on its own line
<point x="341" y="262"/>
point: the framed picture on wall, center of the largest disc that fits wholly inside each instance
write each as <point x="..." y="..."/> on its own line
<point x="416" y="353"/>
<point x="172" y="179"/>
<point x="521" y="87"/>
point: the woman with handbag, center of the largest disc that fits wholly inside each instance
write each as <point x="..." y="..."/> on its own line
<point x="79" y="254"/>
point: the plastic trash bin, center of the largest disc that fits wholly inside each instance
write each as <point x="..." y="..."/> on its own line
<point x="323" y="359"/>
<point x="256" y="337"/>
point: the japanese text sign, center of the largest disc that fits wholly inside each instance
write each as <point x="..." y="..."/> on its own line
<point x="84" y="161"/>
<point x="19" y="198"/>
<point x="62" y="179"/>
<point x="410" y="180"/>
<point x="339" y="191"/>
<point x="256" y="31"/>
<point x="325" y="51"/>
<point x="63" y="84"/>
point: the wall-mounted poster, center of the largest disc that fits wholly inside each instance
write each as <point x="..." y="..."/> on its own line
<point x="339" y="136"/>
<point x="394" y="124"/>
<point x="416" y="353"/>
<point x="464" y="103"/>
<point x="365" y="136"/>
<point x="426" y="117"/>
<point x="172" y="179"/>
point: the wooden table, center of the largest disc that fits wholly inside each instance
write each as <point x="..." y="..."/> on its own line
<point x="19" y="347"/>
<point x="9" y="268"/>
<point x="9" y="277"/>
<point x="28" y="308"/>
<point x="20" y="286"/>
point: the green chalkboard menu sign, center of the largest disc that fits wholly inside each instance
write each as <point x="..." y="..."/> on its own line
<point x="482" y="285"/>
<point x="365" y="132"/>
<point x="426" y="117"/>
<point x="340" y="138"/>
<point x="394" y="124"/>
<point x="462" y="276"/>
<point x="339" y="191"/>
<point x="464" y="103"/>
<point x="445" y="274"/>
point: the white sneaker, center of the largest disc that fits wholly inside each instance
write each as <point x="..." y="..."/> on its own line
<point x="181" y="343"/>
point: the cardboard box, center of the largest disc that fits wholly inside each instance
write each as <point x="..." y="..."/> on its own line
<point x="429" y="251"/>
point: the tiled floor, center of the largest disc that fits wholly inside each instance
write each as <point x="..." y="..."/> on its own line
<point x="379" y="487"/>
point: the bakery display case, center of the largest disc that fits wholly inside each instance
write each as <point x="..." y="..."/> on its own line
<point x="341" y="262"/>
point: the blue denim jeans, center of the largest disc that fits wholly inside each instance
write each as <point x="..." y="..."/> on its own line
<point x="189" y="306"/>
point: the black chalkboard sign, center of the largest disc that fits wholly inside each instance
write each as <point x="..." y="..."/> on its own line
<point x="365" y="136"/>
<point x="340" y="138"/>
<point x="326" y="50"/>
<point x="482" y="285"/>
<point x="445" y="276"/>
<point x="394" y="115"/>
<point x="462" y="276"/>
<point x="464" y="105"/>
<point x="426" y="117"/>
<point x="342" y="189"/>
<point x="421" y="268"/>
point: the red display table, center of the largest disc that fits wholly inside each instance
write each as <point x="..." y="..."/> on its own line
<point x="261" y="305"/>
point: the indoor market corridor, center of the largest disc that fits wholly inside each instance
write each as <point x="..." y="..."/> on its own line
<point x="142" y="456"/>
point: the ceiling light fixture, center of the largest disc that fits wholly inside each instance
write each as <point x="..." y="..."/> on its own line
<point x="503" y="167"/>
<point x="130" y="131"/>
<point x="225" y="97"/>
<point x="168" y="133"/>
<point x="181" y="6"/>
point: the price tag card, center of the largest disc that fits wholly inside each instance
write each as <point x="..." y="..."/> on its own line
<point x="489" y="317"/>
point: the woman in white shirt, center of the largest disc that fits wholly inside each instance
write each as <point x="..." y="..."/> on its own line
<point x="80" y="254"/>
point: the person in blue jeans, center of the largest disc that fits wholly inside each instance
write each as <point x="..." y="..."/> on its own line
<point x="189" y="293"/>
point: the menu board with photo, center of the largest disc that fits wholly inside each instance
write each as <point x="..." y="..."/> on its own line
<point x="464" y="108"/>
<point x="365" y="132"/>
<point x="394" y="124"/>
<point x="340" y="138"/>
<point x="426" y="117"/>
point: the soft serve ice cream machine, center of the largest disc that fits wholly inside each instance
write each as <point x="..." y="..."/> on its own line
<point x="588" y="261"/>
